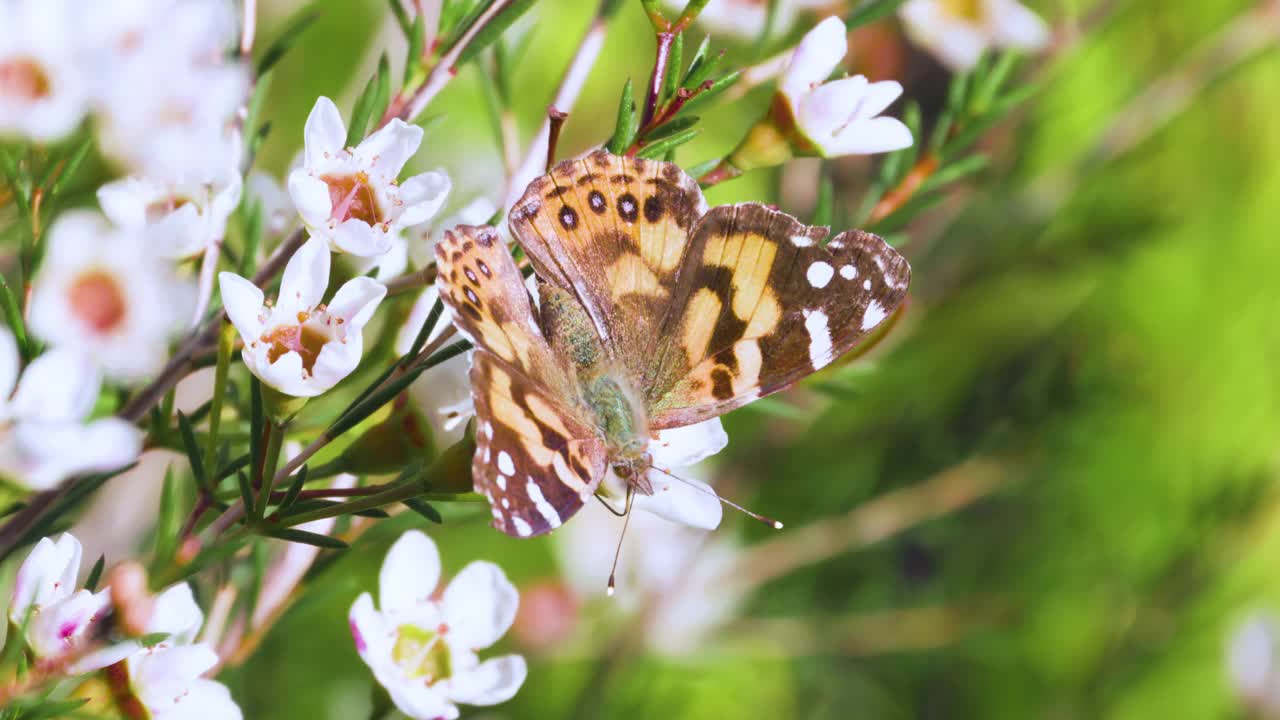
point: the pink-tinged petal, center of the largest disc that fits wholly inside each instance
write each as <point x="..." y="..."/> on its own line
<point x="306" y="277"/>
<point x="387" y="150"/>
<point x="878" y="97"/>
<point x="423" y="195"/>
<point x="325" y="133"/>
<point x="1015" y="26"/>
<point x="831" y="106"/>
<point x="409" y="573"/>
<point x="37" y="575"/>
<point x="58" y="386"/>
<point x="105" y="657"/>
<point x="357" y="237"/>
<point x="162" y="675"/>
<point x="356" y="301"/>
<point x="479" y="605"/>
<point x="883" y="134"/>
<point x="369" y="631"/>
<point x="244" y="304"/>
<point x="494" y="681"/>
<point x="56" y="629"/>
<point x="686" y="501"/>
<point x="679" y="447"/>
<point x="817" y="55"/>
<point x="310" y="195"/>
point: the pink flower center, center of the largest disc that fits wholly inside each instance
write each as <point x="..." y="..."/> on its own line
<point x="24" y="78"/>
<point x="98" y="300"/>
<point x="304" y="338"/>
<point x="352" y="198"/>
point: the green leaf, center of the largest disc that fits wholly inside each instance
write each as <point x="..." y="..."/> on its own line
<point x="95" y="574"/>
<point x="989" y="85"/>
<point x="285" y="41"/>
<point x="870" y="11"/>
<point x="704" y="167"/>
<point x="153" y="639"/>
<point x="13" y="316"/>
<point x="720" y="85"/>
<point x="656" y="150"/>
<point x="424" y="508"/>
<point x="246" y="492"/>
<point x="413" y="55"/>
<point x="624" y="129"/>
<point x="675" y="61"/>
<point x="168" y="519"/>
<point x="371" y="103"/>
<point x="702" y="69"/>
<point x="494" y="29"/>
<point x="306" y="538"/>
<point x="698" y="60"/>
<point x="402" y="18"/>
<point x="192" y="449"/>
<point x="824" y="209"/>
<point x="428" y="327"/>
<point x="953" y="172"/>
<point x="671" y="128"/>
<point x="50" y="710"/>
<point x="295" y="487"/>
<point x="73" y="161"/>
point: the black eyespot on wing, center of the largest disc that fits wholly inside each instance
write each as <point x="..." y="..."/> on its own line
<point x="652" y="209"/>
<point x="597" y="202"/>
<point x="568" y="218"/>
<point x="628" y="208"/>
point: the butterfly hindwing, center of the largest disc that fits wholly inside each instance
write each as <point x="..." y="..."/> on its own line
<point x="535" y="462"/>
<point x="537" y="456"/>
<point x="762" y="302"/>
<point x="611" y="231"/>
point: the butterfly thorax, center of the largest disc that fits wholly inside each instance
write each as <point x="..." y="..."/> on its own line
<point x="621" y="419"/>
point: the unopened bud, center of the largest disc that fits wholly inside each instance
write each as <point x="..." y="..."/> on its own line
<point x="131" y="597"/>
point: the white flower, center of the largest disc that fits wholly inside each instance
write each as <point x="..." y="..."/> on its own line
<point x="166" y="680"/>
<point x="104" y="292"/>
<point x="57" y="617"/>
<point x="167" y="94"/>
<point x="442" y="392"/>
<point x="350" y="196"/>
<point x="1252" y="667"/>
<point x="423" y="651"/>
<point x="44" y="438"/>
<point x="959" y="31"/>
<point x="840" y="117"/>
<point x="43" y="91"/>
<point x="685" y="500"/>
<point x="300" y="346"/>
<point x="747" y="18"/>
<point x="389" y="264"/>
<point x="187" y="217"/>
<point x="174" y="613"/>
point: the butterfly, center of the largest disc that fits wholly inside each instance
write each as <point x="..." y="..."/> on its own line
<point x="653" y="312"/>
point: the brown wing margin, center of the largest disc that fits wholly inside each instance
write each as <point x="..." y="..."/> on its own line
<point x="761" y="303"/>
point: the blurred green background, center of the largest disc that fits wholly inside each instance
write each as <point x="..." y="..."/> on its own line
<point x="1050" y="493"/>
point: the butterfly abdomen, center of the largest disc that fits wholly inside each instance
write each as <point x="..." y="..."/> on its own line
<point x="619" y="415"/>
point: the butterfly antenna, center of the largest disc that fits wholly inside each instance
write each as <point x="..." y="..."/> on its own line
<point x="776" y="525"/>
<point x="613" y="571"/>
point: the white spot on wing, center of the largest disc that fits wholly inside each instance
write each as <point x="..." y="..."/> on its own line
<point x="523" y="529"/>
<point x="540" y="504"/>
<point x="848" y="272"/>
<point x="815" y="323"/>
<point x="505" y="464"/>
<point x="506" y="502"/>
<point x="501" y="480"/>
<point x="819" y="274"/>
<point x="874" y="314"/>
<point x="866" y="284"/>
<point x="801" y="240"/>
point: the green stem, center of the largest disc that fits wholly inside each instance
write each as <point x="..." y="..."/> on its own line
<point x="226" y="347"/>
<point x="275" y="435"/>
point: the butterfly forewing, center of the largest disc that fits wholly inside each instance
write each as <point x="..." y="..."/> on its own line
<point x="612" y="231"/>
<point x="760" y="303"/>
<point x="537" y="453"/>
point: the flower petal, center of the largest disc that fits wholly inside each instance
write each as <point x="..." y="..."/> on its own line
<point x="409" y="573"/>
<point x="480" y="605"/>
<point x="494" y="681"/>
<point x="1013" y="25"/>
<point x="423" y="195"/>
<point x="176" y="614"/>
<point x="58" y="386"/>
<point x="387" y="150"/>
<point x="686" y="501"/>
<point x="325" y="133"/>
<point x="683" y="446"/>
<point x="243" y="301"/>
<point x="817" y="55"/>
<point x="336" y="360"/>
<point x="883" y="134"/>
<point x="204" y="700"/>
<point x="419" y="700"/>
<point x="369" y="631"/>
<point x="57" y="628"/>
<point x="357" y="237"/>
<point x="306" y="276"/>
<point x="285" y="374"/>
<point x="310" y="195"/>
<point x="46" y="576"/>
<point x="356" y="301"/>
